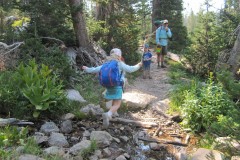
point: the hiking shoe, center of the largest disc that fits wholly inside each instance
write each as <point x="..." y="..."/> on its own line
<point x="106" y="119"/>
<point x="150" y="77"/>
<point x="163" y="66"/>
<point x="115" y="114"/>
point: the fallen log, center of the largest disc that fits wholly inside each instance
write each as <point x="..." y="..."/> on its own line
<point x="174" y="57"/>
<point x="175" y="135"/>
<point x="162" y="141"/>
<point x="136" y="123"/>
<point x="10" y="48"/>
<point x="187" y="139"/>
<point x="157" y="131"/>
<point x="13" y="121"/>
<point x="4" y="122"/>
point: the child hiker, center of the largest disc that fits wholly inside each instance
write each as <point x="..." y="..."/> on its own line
<point x="113" y="93"/>
<point x="146" y="58"/>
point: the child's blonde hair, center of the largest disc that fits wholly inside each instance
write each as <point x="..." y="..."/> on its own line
<point x="115" y="54"/>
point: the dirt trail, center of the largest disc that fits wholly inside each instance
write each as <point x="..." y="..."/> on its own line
<point x="158" y="86"/>
<point x="143" y="93"/>
<point x="153" y="94"/>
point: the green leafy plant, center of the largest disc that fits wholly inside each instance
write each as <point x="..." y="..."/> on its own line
<point x="31" y="147"/>
<point x="39" y="86"/>
<point x="8" y="92"/>
<point x="88" y="151"/>
<point x="182" y="81"/>
<point x="231" y="85"/>
<point x="177" y="96"/>
<point x="11" y="135"/>
<point x="52" y="56"/>
<point x="202" y="106"/>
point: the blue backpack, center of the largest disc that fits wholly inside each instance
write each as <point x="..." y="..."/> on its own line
<point x="109" y="74"/>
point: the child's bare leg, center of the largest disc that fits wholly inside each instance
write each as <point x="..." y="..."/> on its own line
<point x="107" y="116"/>
<point x="116" y="103"/>
<point x="149" y="74"/>
<point x="162" y="60"/>
<point x="144" y="73"/>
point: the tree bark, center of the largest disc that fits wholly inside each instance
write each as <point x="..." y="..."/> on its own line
<point x="1" y="22"/>
<point x="155" y="12"/>
<point x="238" y="5"/>
<point x="234" y="59"/>
<point x="163" y="141"/>
<point x="79" y="22"/>
<point x="230" y="59"/>
<point x="135" y="123"/>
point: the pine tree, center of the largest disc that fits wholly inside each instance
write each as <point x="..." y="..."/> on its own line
<point x="143" y="13"/>
<point x="47" y="19"/>
<point x="191" y="22"/>
<point x="121" y="22"/>
<point x="205" y="43"/>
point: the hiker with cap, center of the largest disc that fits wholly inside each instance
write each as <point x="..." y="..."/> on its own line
<point x="113" y="81"/>
<point x="147" y="59"/>
<point x="162" y="35"/>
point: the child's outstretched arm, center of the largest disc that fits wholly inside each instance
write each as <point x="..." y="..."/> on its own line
<point x="128" y="68"/>
<point x="91" y="69"/>
<point x="150" y="58"/>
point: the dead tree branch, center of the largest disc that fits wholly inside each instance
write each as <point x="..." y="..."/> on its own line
<point x="9" y="47"/>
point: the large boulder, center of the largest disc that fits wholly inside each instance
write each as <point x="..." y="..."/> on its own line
<point x="136" y="100"/>
<point x="102" y="138"/>
<point x="77" y="148"/>
<point x="206" y="154"/>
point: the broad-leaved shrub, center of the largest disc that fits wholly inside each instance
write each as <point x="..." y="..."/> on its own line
<point x="39" y="86"/>
<point x="203" y="106"/>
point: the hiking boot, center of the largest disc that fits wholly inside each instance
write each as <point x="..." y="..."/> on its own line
<point x="162" y="66"/>
<point x="106" y="119"/>
<point x="150" y="77"/>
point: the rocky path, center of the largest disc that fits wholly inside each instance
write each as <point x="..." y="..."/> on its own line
<point x="147" y="100"/>
<point x="145" y="92"/>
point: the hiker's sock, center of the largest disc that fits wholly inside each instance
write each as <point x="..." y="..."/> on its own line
<point x="109" y="113"/>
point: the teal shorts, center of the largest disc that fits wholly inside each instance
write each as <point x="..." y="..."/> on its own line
<point x="114" y="93"/>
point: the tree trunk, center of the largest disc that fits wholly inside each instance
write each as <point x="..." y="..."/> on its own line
<point x="1" y="18"/>
<point x="234" y="59"/>
<point x="100" y="12"/>
<point x="79" y="22"/>
<point x="1" y="22"/>
<point x="155" y="12"/>
<point x="230" y="59"/>
<point x="238" y="5"/>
